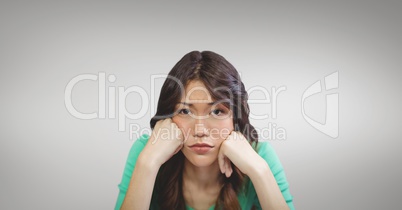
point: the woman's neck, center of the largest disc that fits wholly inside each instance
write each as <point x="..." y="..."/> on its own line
<point x="202" y="177"/>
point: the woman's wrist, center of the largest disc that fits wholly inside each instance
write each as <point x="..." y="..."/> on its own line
<point x="148" y="160"/>
<point x="259" y="168"/>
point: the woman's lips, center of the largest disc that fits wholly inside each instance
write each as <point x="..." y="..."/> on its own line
<point x="201" y="148"/>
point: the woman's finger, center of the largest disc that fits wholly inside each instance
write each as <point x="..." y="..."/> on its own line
<point x="228" y="167"/>
<point x="221" y="161"/>
<point x="178" y="148"/>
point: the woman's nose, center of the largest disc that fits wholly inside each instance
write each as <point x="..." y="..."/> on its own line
<point x="200" y="128"/>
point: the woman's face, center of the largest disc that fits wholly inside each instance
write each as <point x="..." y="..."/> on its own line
<point x="205" y="124"/>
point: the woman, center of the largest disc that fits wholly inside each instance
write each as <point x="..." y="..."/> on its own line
<point x="203" y="151"/>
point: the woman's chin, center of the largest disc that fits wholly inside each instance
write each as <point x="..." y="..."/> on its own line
<point x="200" y="160"/>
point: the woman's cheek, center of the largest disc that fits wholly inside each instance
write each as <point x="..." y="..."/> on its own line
<point x="178" y="121"/>
<point x="183" y="126"/>
<point x="225" y="128"/>
<point x="226" y="132"/>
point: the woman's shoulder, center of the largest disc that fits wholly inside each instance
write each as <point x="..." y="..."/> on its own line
<point x="142" y="140"/>
<point x="267" y="152"/>
<point x="263" y="148"/>
<point x="138" y="145"/>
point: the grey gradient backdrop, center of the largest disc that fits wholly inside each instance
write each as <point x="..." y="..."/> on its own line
<point x="52" y="160"/>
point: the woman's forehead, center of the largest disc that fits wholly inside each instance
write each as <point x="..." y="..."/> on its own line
<point x="197" y="93"/>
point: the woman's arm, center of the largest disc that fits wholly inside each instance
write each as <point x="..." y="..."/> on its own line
<point x="266" y="187"/>
<point x="239" y="151"/>
<point x="165" y="141"/>
<point x="141" y="186"/>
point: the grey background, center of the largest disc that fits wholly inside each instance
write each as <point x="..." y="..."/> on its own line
<point x="52" y="160"/>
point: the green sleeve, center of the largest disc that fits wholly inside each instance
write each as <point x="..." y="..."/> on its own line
<point x="266" y="151"/>
<point x="135" y="150"/>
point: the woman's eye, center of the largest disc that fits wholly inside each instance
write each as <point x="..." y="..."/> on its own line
<point x="184" y="111"/>
<point x="217" y="112"/>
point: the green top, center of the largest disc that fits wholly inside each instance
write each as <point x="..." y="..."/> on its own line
<point x="247" y="198"/>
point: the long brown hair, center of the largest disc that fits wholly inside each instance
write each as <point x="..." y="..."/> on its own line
<point x="223" y="82"/>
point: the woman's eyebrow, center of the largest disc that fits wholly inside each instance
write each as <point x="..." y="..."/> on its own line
<point x="190" y="104"/>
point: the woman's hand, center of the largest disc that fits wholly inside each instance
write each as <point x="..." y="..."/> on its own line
<point x="237" y="149"/>
<point x="165" y="141"/>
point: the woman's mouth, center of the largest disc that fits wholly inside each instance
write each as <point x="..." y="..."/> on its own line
<point x="201" y="148"/>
